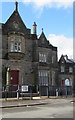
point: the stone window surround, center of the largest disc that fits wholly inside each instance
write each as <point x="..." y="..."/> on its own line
<point x="42" y="57"/>
<point x="15" y="46"/>
<point x="15" y="43"/>
<point x="43" y="77"/>
<point x="70" y="69"/>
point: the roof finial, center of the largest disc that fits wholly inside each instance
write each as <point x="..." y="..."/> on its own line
<point x="16" y="4"/>
<point x="42" y="29"/>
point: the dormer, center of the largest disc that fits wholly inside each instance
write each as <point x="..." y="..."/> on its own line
<point x="62" y="59"/>
<point x="15" y="23"/>
<point x="42" y="37"/>
<point x="43" y="42"/>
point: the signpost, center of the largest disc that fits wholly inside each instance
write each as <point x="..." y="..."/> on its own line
<point x="24" y="88"/>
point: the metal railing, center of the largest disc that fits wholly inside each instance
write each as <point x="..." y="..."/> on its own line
<point x="11" y="91"/>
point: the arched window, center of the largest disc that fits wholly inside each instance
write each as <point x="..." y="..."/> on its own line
<point x="67" y="82"/>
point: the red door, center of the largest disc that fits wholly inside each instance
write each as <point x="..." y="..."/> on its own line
<point x="62" y="82"/>
<point x="14" y="80"/>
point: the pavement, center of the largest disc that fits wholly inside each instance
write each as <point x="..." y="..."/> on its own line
<point x="24" y="102"/>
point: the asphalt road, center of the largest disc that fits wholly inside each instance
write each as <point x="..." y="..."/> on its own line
<point x="56" y="109"/>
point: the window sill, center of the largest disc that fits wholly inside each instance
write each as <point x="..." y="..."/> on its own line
<point x="15" y="55"/>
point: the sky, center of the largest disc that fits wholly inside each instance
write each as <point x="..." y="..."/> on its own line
<point x="54" y="16"/>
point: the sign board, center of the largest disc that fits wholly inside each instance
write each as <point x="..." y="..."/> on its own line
<point x="24" y="88"/>
<point x="67" y="82"/>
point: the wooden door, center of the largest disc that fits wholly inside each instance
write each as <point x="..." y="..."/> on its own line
<point x="14" y="80"/>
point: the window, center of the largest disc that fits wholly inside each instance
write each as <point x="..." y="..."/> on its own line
<point x="53" y="78"/>
<point x="15" y="45"/>
<point x="62" y="68"/>
<point x="43" y="77"/>
<point x="52" y="59"/>
<point x="42" y="57"/>
<point x="67" y="82"/>
<point x="12" y="46"/>
<point x="70" y="69"/>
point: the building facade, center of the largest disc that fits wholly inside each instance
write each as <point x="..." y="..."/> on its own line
<point x="29" y="60"/>
<point x="66" y="73"/>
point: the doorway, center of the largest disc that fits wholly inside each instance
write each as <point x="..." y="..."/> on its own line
<point x="14" y="79"/>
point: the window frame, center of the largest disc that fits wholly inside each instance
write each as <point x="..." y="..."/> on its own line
<point x="15" y="44"/>
<point x="42" y="57"/>
<point x="43" y="77"/>
<point x="70" y="69"/>
<point x="62" y="69"/>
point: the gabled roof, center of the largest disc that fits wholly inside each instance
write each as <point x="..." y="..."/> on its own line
<point x="43" y="42"/>
<point x="64" y="58"/>
<point x="42" y="36"/>
<point x="15" y="17"/>
<point x="69" y="61"/>
<point x="15" y="23"/>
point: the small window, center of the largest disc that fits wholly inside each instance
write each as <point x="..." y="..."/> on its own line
<point x="39" y="74"/>
<point x="12" y="46"/>
<point x="62" y="69"/>
<point x="42" y="57"/>
<point x="15" y="45"/>
<point x="70" y="69"/>
<point x="19" y="47"/>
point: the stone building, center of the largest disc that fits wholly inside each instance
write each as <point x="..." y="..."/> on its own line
<point x="66" y="68"/>
<point x="26" y="59"/>
<point x="29" y="62"/>
<point x="66" y="73"/>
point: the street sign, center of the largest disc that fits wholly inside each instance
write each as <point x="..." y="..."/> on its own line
<point x="24" y="88"/>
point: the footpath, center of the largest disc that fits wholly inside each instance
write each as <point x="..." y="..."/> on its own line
<point x="24" y="102"/>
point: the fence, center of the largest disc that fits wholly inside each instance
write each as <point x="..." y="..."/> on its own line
<point x="11" y="91"/>
<point x="56" y="91"/>
<point x="61" y="91"/>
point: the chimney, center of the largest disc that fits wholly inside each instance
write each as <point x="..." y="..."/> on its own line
<point x="34" y="28"/>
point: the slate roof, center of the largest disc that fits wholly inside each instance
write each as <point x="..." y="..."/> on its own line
<point x="69" y="61"/>
<point x="66" y="59"/>
<point x="15" y="23"/>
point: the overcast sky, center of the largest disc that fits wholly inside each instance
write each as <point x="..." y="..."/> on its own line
<point x="54" y="16"/>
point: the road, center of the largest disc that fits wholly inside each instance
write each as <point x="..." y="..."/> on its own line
<point x="56" y="109"/>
